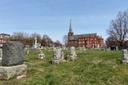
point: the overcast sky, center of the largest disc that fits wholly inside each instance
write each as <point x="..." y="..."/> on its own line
<point x="52" y="17"/>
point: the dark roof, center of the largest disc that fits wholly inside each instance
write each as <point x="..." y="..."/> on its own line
<point x="4" y="34"/>
<point x="83" y="35"/>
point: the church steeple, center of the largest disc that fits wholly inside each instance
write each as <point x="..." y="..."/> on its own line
<point x="70" y="26"/>
<point x="70" y="33"/>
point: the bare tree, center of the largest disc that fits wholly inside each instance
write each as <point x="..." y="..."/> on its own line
<point x="19" y="35"/>
<point x="47" y="40"/>
<point x="57" y="43"/>
<point x="22" y="37"/>
<point x="119" y="28"/>
<point x="38" y="36"/>
<point x="111" y="42"/>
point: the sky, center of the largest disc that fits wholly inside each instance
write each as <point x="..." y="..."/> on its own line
<point x="52" y="17"/>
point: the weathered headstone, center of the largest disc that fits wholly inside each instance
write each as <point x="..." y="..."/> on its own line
<point x="58" y="56"/>
<point x="117" y="48"/>
<point x="41" y="47"/>
<point x="12" y="61"/>
<point x="108" y="49"/>
<point x="35" y="43"/>
<point x="82" y="49"/>
<point x="12" y="54"/>
<point x="1" y="54"/>
<point x="28" y="51"/>
<point x="124" y="56"/>
<point x="54" y="49"/>
<point x="41" y="55"/>
<point x="72" y="55"/>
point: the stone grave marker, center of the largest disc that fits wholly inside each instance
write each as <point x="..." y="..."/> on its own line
<point x="82" y="49"/>
<point x="12" y="60"/>
<point x="124" y="56"/>
<point x="117" y="48"/>
<point x="12" y="54"/>
<point x="41" y="55"/>
<point x="58" y="56"/>
<point x="1" y="54"/>
<point x="72" y="54"/>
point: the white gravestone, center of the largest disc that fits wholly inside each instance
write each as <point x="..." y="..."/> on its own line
<point x="35" y="43"/>
<point x="58" y="56"/>
<point x="27" y="50"/>
<point x="117" y="48"/>
<point x="72" y="56"/>
<point x="124" y="57"/>
<point x="41" y="55"/>
<point x="82" y="49"/>
<point x="1" y="54"/>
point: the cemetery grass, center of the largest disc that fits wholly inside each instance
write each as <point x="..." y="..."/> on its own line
<point x="91" y="68"/>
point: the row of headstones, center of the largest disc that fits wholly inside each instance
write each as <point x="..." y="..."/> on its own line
<point x="59" y="55"/>
<point x="13" y="56"/>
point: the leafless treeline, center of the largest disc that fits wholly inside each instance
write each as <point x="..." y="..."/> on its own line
<point x="118" y="31"/>
<point x="28" y="39"/>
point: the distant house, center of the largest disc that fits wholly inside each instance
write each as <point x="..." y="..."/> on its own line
<point x="3" y="38"/>
<point x="84" y="40"/>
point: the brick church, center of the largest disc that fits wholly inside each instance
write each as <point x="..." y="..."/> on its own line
<point x="84" y="40"/>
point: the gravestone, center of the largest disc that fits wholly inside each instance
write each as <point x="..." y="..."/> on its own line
<point x="117" y="48"/>
<point x="1" y="54"/>
<point x="54" y="49"/>
<point x="35" y="42"/>
<point x="124" y="56"/>
<point x="58" y="56"/>
<point x="41" y="55"/>
<point x="41" y="47"/>
<point x="12" y="54"/>
<point x="72" y="54"/>
<point x="108" y="49"/>
<point x="28" y="51"/>
<point x="12" y="61"/>
<point x="82" y="49"/>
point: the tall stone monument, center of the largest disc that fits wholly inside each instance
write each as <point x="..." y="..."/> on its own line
<point x="35" y="43"/>
<point x="1" y="54"/>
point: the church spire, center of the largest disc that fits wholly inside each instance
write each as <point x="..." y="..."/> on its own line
<point x="70" y="26"/>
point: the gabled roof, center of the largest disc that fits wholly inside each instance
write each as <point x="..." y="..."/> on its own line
<point x="84" y="35"/>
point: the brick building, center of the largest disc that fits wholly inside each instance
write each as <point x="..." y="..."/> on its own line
<point x="84" y="40"/>
<point x="3" y="38"/>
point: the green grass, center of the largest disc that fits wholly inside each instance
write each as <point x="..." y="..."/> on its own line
<point x="91" y="68"/>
